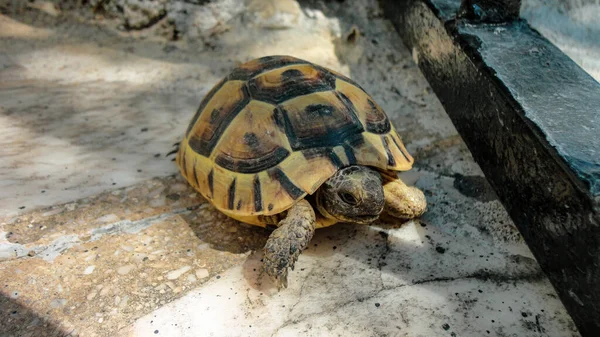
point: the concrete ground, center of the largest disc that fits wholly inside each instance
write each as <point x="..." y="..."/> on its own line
<point x="100" y="236"/>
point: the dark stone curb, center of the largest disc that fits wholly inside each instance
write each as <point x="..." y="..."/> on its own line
<point x="531" y="118"/>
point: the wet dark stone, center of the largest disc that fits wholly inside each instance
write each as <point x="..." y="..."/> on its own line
<point x="440" y="250"/>
<point x="446" y="326"/>
<point x="173" y="196"/>
<point x="475" y="187"/>
<point x="492" y="11"/>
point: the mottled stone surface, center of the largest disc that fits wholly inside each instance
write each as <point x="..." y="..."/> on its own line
<point x="111" y="241"/>
<point x="99" y="262"/>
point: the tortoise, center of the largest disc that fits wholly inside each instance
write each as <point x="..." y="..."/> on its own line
<point x="284" y="143"/>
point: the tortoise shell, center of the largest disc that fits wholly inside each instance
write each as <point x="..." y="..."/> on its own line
<point x="275" y="129"/>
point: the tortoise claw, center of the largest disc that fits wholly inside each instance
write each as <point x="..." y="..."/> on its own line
<point x="174" y="151"/>
<point x="282" y="280"/>
<point x="278" y="259"/>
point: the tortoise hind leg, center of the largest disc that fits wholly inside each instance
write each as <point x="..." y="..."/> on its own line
<point x="403" y="202"/>
<point x="287" y="242"/>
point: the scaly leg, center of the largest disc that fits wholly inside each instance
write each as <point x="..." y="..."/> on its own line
<point x="403" y="202"/>
<point x="287" y="242"/>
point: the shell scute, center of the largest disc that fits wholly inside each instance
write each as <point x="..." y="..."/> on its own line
<point x="252" y="68"/>
<point x="285" y="83"/>
<point x="253" y="142"/>
<point x="319" y="119"/>
<point x="370" y="113"/>
<point x="219" y="111"/>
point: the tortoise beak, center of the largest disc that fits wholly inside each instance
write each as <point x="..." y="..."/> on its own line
<point x="365" y="219"/>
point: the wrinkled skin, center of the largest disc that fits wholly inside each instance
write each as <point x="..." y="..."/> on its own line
<point x="354" y="194"/>
<point x="287" y="241"/>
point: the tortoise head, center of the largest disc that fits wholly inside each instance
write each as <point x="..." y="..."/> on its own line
<point x="352" y="194"/>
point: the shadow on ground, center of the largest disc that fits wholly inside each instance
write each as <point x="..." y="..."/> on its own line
<point x="17" y="320"/>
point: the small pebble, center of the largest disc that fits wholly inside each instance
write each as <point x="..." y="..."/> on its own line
<point x="108" y="218"/>
<point x="202" y="273"/>
<point x="57" y="303"/>
<point x="123" y="302"/>
<point x="173" y="196"/>
<point x="377" y="305"/>
<point x="178" y="187"/>
<point x="89" y="270"/>
<point x="173" y="275"/>
<point x="124" y="270"/>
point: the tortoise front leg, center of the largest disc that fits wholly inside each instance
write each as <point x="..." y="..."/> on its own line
<point x="403" y="202"/>
<point x="287" y="241"/>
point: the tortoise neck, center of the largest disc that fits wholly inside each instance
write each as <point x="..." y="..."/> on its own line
<point x="318" y="204"/>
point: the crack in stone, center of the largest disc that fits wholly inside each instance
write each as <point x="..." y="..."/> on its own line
<point x="408" y="98"/>
<point x="300" y="297"/>
<point x="52" y="250"/>
<point x="304" y="282"/>
<point x="131" y="227"/>
<point x="478" y="275"/>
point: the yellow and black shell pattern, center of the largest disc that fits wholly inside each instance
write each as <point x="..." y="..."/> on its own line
<point x="275" y="129"/>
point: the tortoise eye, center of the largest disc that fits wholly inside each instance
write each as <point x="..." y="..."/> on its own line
<point x="348" y="198"/>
